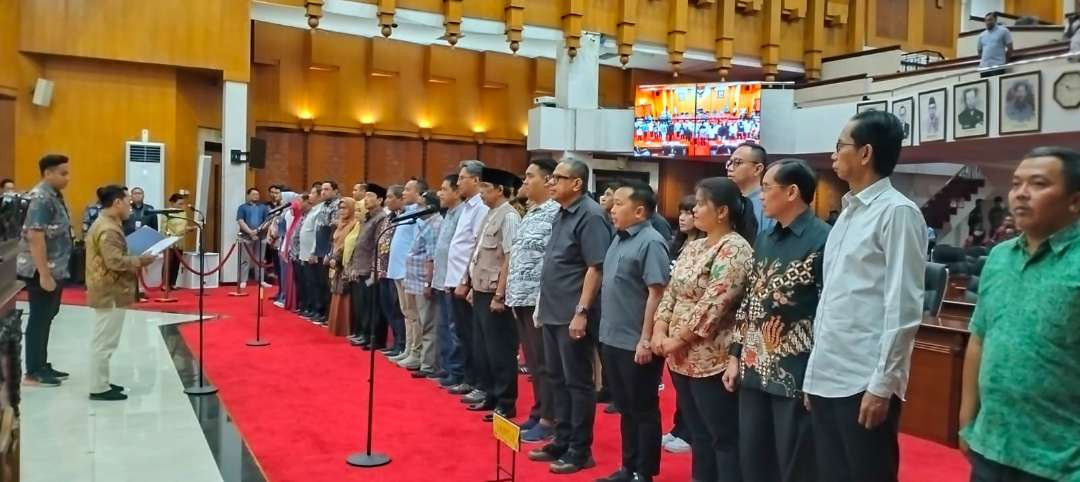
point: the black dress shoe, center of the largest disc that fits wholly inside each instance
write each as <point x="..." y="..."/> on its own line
<point x="507" y="414"/>
<point x="547" y="453"/>
<point x="116" y="388"/>
<point x="570" y="464"/>
<point x="108" y="396"/>
<point x="622" y="475"/>
<point x="57" y="374"/>
<point x="641" y="478"/>
<point x="420" y="374"/>
<point x="480" y="407"/>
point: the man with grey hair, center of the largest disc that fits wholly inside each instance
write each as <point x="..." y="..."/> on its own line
<point x="462" y="245"/>
<point x="568" y="309"/>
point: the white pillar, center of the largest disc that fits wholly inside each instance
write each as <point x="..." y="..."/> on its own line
<point x="234" y="135"/>
<point x="577" y="80"/>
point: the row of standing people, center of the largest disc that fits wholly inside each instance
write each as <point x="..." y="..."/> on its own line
<point x="569" y="278"/>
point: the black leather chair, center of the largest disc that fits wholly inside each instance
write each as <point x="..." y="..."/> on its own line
<point x="971" y="293"/>
<point x="936" y="281"/>
<point x="976" y="251"/>
<point x="952" y="257"/>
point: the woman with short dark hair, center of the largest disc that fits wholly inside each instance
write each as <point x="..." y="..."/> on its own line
<point x="693" y="325"/>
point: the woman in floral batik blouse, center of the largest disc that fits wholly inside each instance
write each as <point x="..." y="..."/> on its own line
<point x="694" y="321"/>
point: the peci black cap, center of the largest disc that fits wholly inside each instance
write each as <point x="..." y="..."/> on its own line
<point x="500" y="177"/>
<point x="380" y="192"/>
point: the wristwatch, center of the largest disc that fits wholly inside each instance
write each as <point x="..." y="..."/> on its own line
<point x="580" y="310"/>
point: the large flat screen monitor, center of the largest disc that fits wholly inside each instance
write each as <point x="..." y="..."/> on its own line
<point x="696" y="120"/>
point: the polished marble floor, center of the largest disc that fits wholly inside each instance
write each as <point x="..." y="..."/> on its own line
<point x="158" y="434"/>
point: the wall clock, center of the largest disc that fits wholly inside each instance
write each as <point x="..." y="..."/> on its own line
<point x="1067" y="90"/>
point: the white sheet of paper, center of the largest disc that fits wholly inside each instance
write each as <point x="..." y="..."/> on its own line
<point x="162" y="245"/>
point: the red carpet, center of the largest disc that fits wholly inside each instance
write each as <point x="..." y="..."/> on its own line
<point x="301" y="405"/>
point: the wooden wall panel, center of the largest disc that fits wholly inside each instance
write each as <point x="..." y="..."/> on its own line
<point x="938" y="28"/>
<point x="389" y="85"/>
<point x="198" y="104"/>
<point x="96" y="107"/>
<point x="9" y="46"/>
<point x="393" y="160"/>
<point x="443" y="158"/>
<point x="653" y="21"/>
<point x="891" y="19"/>
<point x="337" y="157"/>
<point x="1052" y="11"/>
<point x="614" y="89"/>
<point x="830" y="190"/>
<point x="7" y="138"/>
<point x="506" y="157"/>
<point x="286" y="159"/>
<point x="208" y="34"/>
<point x="677" y="179"/>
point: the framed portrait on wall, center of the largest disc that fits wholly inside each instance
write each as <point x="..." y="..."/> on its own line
<point x="933" y="110"/>
<point x="1021" y="103"/>
<point x="904" y="109"/>
<point x="882" y="105"/>
<point x="972" y="109"/>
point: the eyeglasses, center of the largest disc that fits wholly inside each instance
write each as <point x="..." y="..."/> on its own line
<point x="558" y="177"/>
<point x="766" y="187"/>
<point x="842" y="144"/>
<point x="735" y="163"/>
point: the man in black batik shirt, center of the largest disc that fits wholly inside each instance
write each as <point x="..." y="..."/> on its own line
<point x="774" y="330"/>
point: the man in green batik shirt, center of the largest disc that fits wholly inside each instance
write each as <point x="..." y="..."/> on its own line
<point x="1020" y="409"/>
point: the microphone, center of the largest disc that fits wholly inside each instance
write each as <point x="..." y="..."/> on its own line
<point x="277" y="210"/>
<point x="412" y="216"/>
<point x="164" y="211"/>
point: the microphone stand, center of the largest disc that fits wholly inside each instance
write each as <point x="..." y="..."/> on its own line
<point x="260" y="272"/>
<point x="202" y="388"/>
<point x="369" y="459"/>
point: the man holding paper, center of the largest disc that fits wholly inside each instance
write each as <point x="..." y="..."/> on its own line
<point x="110" y="285"/>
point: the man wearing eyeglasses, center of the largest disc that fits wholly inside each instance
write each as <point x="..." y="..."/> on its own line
<point x="568" y="308"/>
<point x="869" y="309"/>
<point x="745" y="167"/>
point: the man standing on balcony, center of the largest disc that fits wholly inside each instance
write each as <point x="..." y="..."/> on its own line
<point x="995" y="45"/>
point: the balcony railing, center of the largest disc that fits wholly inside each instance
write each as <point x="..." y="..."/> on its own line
<point x="912" y="61"/>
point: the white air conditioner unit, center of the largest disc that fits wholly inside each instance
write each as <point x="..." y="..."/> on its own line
<point x="145" y="168"/>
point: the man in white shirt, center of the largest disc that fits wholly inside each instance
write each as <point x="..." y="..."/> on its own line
<point x="870" y="308"/>
<point x="462" y="246"/>
<point x="308" y="262"/>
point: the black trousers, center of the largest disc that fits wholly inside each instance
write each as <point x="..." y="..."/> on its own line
<point x="497" y="332"/>
<point x="174" y="255"/>
<point x="986" y="470"/>
<point x="464" y="328"/>
<point x="532" y="343"/>
<point x="366" y="314"/>
<point x="300" y="284"/>
<point x="570" y="369"/>
<point x="321" y="297"/>
<point x="712" y="415"/>
<point x="678" y="423"/>
<point x="633" y="387"/>
<point x="847" y="452"/>
<point x="776" y="443"/>
<point x="317" y="290"/>
<point x="43" y="308"/>
<point x="391" y="313"/>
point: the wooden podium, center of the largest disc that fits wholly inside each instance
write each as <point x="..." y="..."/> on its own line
<point x="932" y="408"/>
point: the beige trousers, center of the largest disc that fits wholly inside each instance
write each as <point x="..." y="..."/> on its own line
<point x="108" y="324"/>
<point x="412" y="319"/>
